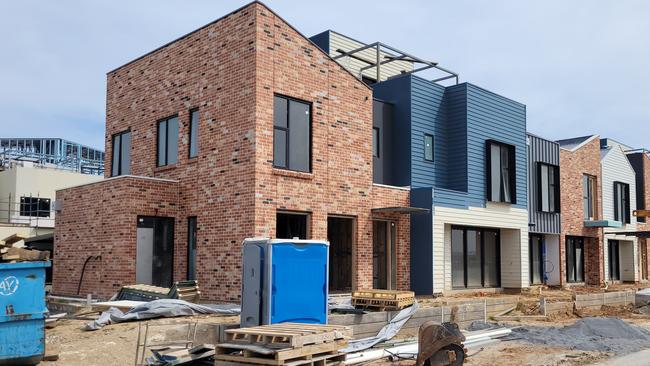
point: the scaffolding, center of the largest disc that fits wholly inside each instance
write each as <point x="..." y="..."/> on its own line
<point x="52" y="152"/>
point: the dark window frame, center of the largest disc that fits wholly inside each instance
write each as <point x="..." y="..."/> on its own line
<point x="167" y="144"/>
<point x="120" y="168"/>
<point x="542" y="242"/>
<point x="192" y="231"/>
<point x="376" y="148"/>
<point x="590" y="180"/>
<point x="625" y="195"/>
<point x="482" y="230"/>
<point x="433" y="153"/>
<point x="512" y="172"/>
<point x="553" y="188"/>
<point x="575" y="240"/>
<point x="287" y="131"/>
<point x="191" y="130"/>
<point x="35" y="206"/>
<point x="304" y="214"/>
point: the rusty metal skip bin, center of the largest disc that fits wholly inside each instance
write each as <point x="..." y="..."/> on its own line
<point x="22" y="312"/>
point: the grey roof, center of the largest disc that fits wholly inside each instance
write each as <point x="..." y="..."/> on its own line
<point x="573" y="143"/>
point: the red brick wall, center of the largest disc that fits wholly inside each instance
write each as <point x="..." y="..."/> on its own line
<point x="573" y="165"/>
<point x="646" y="226"/>
<point x="230" y="70"/>
<point x="100" y="219"/>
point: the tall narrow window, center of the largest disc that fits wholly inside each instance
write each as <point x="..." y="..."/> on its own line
<point x="428" y="147"/>
<point x="622" y="202"/>
<point x="501" y="181"/>
<point x="589" y="196"/>
<point x="168" y="141"/>
<point x="194" y="133"/>
<point x="291" y="134"/>
<point x="121" y="150"/>
<point x="191" y="248"/>
<point x="375" y="142"/>
<point x="549" y="188"/>
<point x="575" y="264"/>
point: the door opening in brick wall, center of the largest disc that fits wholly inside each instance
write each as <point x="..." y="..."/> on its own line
<point x="290" y="225"/>
<point x="340" y="234"/>
<point x="614" y="260"/>
<point x="155" y="251"/>
<point x="575" y="259"/>
<point x="384" y="255"/>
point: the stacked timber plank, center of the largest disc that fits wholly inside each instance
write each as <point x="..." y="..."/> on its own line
<point x="382" y="299"/>
<point x="287" y="344"/>
<point x="182" y="290"/>
<point x="13" y="255"/>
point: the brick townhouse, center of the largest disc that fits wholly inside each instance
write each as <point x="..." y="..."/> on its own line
<point x="640" y="160"/>
<point x="241" y="128"/>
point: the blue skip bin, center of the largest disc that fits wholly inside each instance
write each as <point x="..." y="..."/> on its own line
<point x="284" y="281"/>
<point x="22" y="312"/>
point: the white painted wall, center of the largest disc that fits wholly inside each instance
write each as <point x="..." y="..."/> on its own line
<point x="552" y="264"/>
<point x="513" y="223"/>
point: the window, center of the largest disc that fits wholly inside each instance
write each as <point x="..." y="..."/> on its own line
<point x="121" y="149"/>
<point x="622" y="202"/>
<point x="549" y="188"/>
<point x="501" y="183"/>
<point x="34" y="207"/>
<point x="194" y="133"/>
<point x="191" y="248"/>
<point x="291" y="134"/>
<point x="613" y="259"/>
<point x="475" y="258"/>
<point x="168" y="141"/>
<point x="428" y="147"/>
<point x="575" y="263"/>
<point x="589" y="196"/>
<point x="291" y="225"/>
<point x="375" y="142"/>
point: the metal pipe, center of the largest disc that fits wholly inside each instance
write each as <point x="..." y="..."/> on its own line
<point x="355" y="50"/>
<point x="83" y="270"/>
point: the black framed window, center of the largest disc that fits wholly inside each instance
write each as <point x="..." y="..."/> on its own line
<point x="475" y="257"/>
<point x="428" y="147"/>
<point x="575" y="259"/>
<point x="191" y="247"/>
<point x="589" y="196"/>
<point x="375" y="142"/>
<point x="121" y="150"/>
<point x="622" y="202"/>
<point x="35" y="207"/>
<point x="291" y="134"/>
<point x="289" y="225"/>
<point x="194" y="133"/>
<point x="501" y="181"/>
<point x="167" y="141"/>
<point x="536" y="258"/>
<point x="548" y="180"/>
<point x="614" y="260"/>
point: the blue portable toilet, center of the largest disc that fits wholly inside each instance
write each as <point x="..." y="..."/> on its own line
<point x="284" y="280"/>
<point x="22" y="321"/>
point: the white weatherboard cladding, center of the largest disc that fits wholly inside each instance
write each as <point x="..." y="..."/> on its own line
<point x="616" y="168"/>
<point x="628" y="253"/>
<point x="338" y="41"/>
<point x="513" y="223"/>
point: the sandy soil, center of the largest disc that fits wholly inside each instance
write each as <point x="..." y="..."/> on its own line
<point x="114" y="344"/>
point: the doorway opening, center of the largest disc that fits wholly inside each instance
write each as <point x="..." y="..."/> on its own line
<point x="475" y="258"/>
<point x="290" y="225"/>
<point x="575" y="259"/>
<point x="536" y="263"/>
<point x="340" y="234"/>
<point x="384" y="255"/>
<point x="154" y="251"/>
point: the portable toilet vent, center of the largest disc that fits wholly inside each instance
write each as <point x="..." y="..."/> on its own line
<point x="284" y="280"/>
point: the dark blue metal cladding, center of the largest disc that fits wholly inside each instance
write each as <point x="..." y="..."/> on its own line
<point x="541" y="151"/>
<point x="422" y="242"/>
<point x="322" y="40"/>
<point x="397" y="91"/>
<point x="456" y="126"/>
<point x="493" y="117"/>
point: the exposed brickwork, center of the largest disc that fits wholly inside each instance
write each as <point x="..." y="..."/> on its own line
<point x="645" y="226"/>
<point x="573" y="165"/>
<point x="230" y="70"/>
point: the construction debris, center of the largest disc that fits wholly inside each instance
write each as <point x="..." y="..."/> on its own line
<point x="283" y="344"/>
<point x="11" y="254"/>
<point x="11" y="240"/>
<point x="382" y="299"/>
<point x="171" y="356"/>
<point x="163" y="308"/>
<point x="182" y="290"/>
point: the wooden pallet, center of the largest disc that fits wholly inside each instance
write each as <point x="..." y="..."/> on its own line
<point x="383" y="299"/>
<point x="287" y="358"/>
<point x="288" y="334"/>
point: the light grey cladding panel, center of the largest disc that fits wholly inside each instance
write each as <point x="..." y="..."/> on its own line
<point x="544" y="151"/>
<point x="341" y="42"/>
<point x="616" y="168"/>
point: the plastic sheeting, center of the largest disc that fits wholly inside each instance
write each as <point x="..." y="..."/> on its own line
<point x="387" y="332"/>
<point x="163" y="308"/>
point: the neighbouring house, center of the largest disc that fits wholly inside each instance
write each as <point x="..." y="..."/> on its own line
<point x="544" y="211"/>
<point x="581" y="239"/>
<point x="240" y="128"/>
<point x="619" y="201"/>
<point x="462" y="150"/>
<point x="640" y="160"/>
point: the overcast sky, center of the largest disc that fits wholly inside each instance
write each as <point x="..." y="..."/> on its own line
<point x="581" y="67"/>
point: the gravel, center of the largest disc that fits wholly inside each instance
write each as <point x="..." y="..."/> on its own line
<point x="590" y="334"/>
